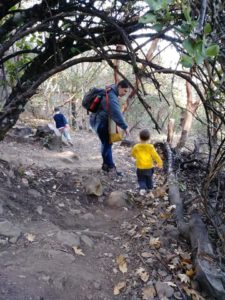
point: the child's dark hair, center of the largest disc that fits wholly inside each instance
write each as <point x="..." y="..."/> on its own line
<point x="144" y="135"/>
<point x="56" y="109"/>
<point x="123" y="84"/>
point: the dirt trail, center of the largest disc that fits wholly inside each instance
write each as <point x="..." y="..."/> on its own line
<point x="42" y="196"/>
<point x="85" y="146"/>
<point x="58" y="243"/>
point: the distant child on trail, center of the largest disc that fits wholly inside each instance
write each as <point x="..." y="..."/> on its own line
<point x="146" y="156"/>
<point x="62" y="125"/>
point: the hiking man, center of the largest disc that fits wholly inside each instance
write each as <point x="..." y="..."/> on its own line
<point x="99" y="121"/>
<point x="62" y="125"/>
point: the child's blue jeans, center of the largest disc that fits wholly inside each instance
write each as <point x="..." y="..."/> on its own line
<point x="145" y="178"/>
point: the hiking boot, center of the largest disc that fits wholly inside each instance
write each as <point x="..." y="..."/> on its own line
<point x="105" y="168"/>
<point x="71" y="144"/>
<point x="114" y="171"/>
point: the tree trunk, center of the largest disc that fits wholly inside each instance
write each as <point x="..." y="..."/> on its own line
<point x="116" y="62"/>
<point x="186" y="120"/>
<point x="73" y="114"/>
<point x="170" y="131"/>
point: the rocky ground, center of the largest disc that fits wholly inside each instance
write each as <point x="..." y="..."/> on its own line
<point x="59" y="241"/>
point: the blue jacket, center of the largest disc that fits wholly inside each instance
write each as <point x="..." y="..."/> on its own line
<point x="101" y="116"/>
<point x="60" y="120"/>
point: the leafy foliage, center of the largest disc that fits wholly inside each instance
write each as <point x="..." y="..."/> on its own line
<point x="198" y="47"/>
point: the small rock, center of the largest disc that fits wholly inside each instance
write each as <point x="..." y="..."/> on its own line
<point x="67" y="160"/>
<point x="88" y="217"/>
<point x="117" y="199"/>
<point x="93" y="186"/>
<point x="178" y="296"/>
<point x="162" y="250"/>
<point x="68" y="238"/>
<point x="11" y="174"/>
<point x="97" y="285"/>
<point x="13" y="240"/>
<point x="1" y="208"/>
<point x="87" y="241"/>
<point x="34" y="193"/>
<point x="8" y="229"/>
<point x="3" y="241"/>
<point x="168" y="278"/>
<point x="162" y="273"/>
<point x="164" y="290"/>
<point x="25" y="181"/>
<point x="59" y="175"/>
<point x="13" y="196"/>
<point x="39" y="209"/>
<point x="45" y="278"/>
<point x="108" y="254"/>
<point x="75" y="211"/>
<point x="77" y="202"/>
<point x="29" y="173"/>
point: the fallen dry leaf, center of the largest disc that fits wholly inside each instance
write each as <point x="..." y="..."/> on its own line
<point x="171" y="266"/>
<point x="150" y="195"/>
<point x="165" y="215"/>
<point x="78" y="251"/>
<point x="170" y="208"/>
<point x="143" y="274"/>
<point x="183" y="254"/>
<point x="190" y="273"/>
<point x="122" y="264"/>
<point x="183" y="278"/>
<point x="186" y="266"/>
<point x="193" y="294"/>
<point x="148" y="293"/>
<point x="132" y="231"/>
<point x="150" y="211"/>
<point x="154" y="242"/>
<point x="30" y="237"/>
<point x="175" y="261"/>
<point x="146" y="254"/>
<point x="145" y="230"/>
<point x="118" y="287"/>
<point x="171" y="283"/>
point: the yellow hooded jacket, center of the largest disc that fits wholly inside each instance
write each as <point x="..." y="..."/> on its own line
<point x="146" y="155"/>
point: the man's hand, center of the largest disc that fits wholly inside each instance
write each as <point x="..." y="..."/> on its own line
<point x="127" y="131"/>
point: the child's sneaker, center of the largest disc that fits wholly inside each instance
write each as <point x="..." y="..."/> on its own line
<point x="142" y="192"/>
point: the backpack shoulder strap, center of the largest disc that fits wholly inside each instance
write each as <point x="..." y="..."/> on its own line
<point x="107" y="89"/>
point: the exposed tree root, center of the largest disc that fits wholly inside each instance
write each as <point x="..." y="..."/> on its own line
<point x="208" y="274"/>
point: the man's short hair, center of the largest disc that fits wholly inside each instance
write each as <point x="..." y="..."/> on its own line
<point x="144" y="135"/>
<point x="56" y="109"/>
<point x="123" y="84"/>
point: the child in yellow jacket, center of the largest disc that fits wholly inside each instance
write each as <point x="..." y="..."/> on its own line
<point x="146" y="156"/>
